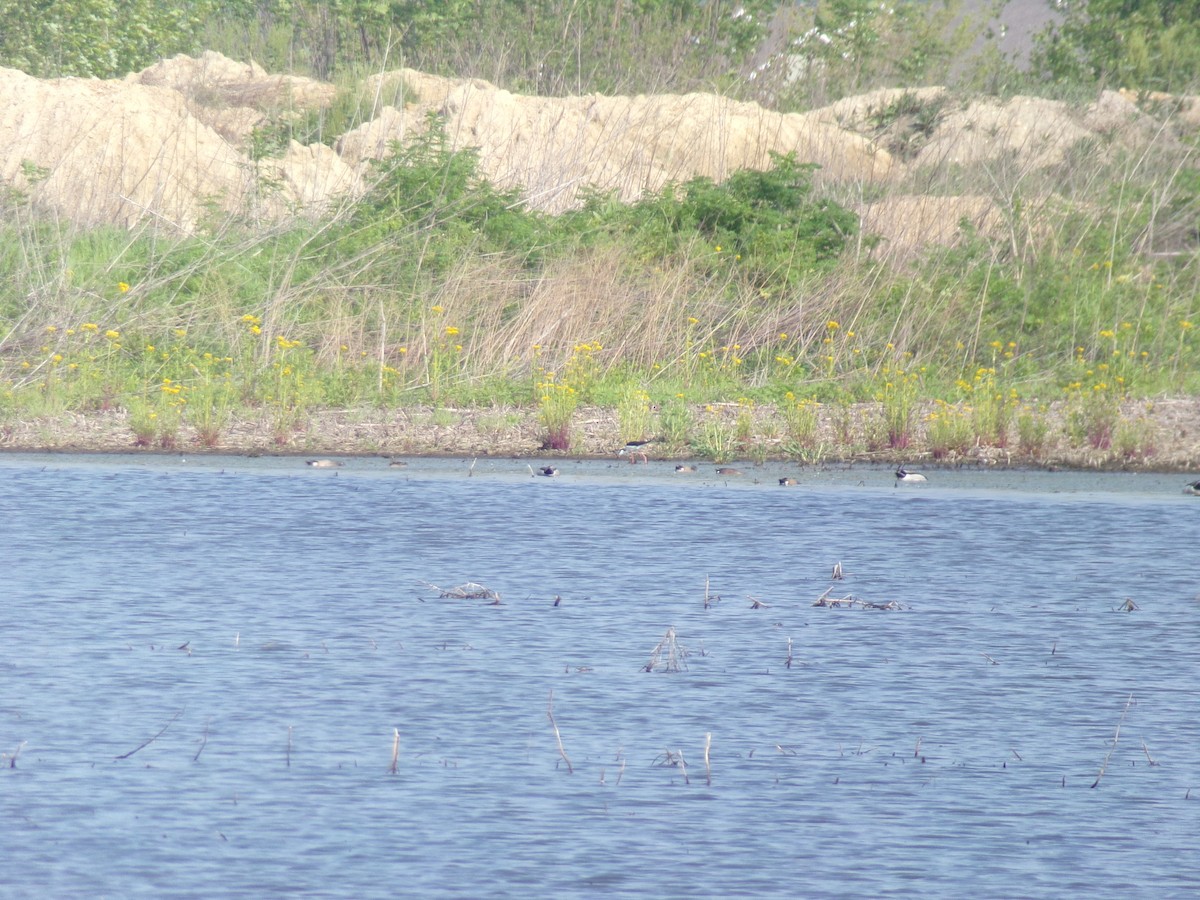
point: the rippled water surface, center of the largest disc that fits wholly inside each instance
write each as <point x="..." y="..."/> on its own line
<point x="204" y="663"/>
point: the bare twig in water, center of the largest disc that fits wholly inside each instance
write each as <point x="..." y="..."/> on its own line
<point x="469" y="590"/>
<point x="1149" y="758"/>
<point x="145" y="744"/>
<point x="707" y="765"/>
<point x="683" y="768"/>
<point x="989" y="659"/>
<point x="1128" y="605"/>
<point x="12" y="757"/>
<point x="838" y="572"/>
<point x="755" y="603"/>
<point x="558" y="737"/>
<point x="395" y="751"/>
<point x="1116" y="737"/>
<point x="852" y="602"/>
<point x="203" y="739"/>
<point x="787" y="663"/>
<point x="674" y="652"/>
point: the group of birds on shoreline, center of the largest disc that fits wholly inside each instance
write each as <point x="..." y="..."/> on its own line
<point x="635" y="449"/>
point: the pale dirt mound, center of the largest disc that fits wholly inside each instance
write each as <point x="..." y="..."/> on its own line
<point x="112" y="152"/>
<point x="910" y="222"/>
<point x="232" y="97"/>
<point x="1039" y="132"/>
<point x="552" y="147"/>
<point x="167" y="143"/>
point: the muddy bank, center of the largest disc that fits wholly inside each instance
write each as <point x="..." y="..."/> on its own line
<point x="1167" y="436"/>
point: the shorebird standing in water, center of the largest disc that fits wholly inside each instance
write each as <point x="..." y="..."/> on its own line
<point x="635" y="448"/>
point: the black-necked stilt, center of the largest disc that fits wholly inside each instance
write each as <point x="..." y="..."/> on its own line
<point x="1193" y="488"/>
<point x="726" y="470"/>
<point x="902" y="475"/>
<point x="324" y="463"/>
<point x="685" y="470"/>
<point x="635" y="448"/>
<point x="788" y="482"/>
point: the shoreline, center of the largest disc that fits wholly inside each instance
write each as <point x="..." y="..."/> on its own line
<point x="1168" y="433"/>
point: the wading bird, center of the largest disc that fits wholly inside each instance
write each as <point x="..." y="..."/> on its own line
<point x="635" y="448"/>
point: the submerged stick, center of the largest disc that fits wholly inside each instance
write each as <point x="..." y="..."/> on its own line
<point x="1116" y="737"/>
<point x="12" y="757"/>
<point x="203" y="739"/>
<point x="395" y="750"/>
<point x="707" y="766"/>
<point x="145" y="744"/>
<point x="557" y="737"/>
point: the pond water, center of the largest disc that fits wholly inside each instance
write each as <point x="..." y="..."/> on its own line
<point x="205" y="664"/>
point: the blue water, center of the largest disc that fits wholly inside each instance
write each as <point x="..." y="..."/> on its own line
<point x="282" y="624"/>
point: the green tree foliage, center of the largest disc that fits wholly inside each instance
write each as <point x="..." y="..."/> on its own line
<point x="95" y="38"/>
<point x="839" y="48"/>
<point x="1137" y="44"/>
<point x="542" y="46"/>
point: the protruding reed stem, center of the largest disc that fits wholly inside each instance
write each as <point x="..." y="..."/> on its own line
<point x="395" y="750"/>
<point x="557" y="737"/>
<point x="1116" y="737"/>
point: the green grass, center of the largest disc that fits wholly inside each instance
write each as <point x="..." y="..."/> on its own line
<point x="439" y="289"/>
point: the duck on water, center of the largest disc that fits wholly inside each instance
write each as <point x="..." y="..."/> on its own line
<point x="904" y="475"/>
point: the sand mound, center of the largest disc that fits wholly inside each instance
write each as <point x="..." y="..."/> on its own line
<point x="168" y="143"/>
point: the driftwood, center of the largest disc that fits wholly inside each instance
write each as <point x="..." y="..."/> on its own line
<point x="668" y="654"/>
<point x="469" y="590"/>
<point x="852" y="602"/>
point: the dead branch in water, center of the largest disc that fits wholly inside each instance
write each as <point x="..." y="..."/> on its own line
<point x="1116" y="737"/>
<point x="707" y="765"/>
<point x="12" y="757"/>
<point x="145" y="744"/>
<point x="395" y="751"/>
<point x="557" y="737"/>
<point x="675" y="654"/>
<point x="469" y="590"/>
<point x="852" y="602"/>
<point x="203" y="739"/>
